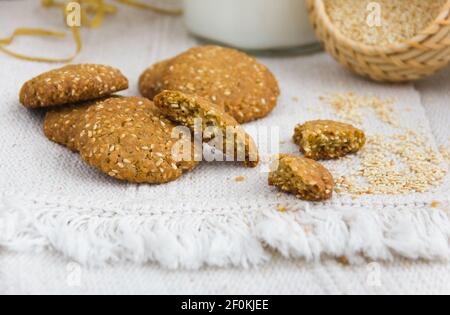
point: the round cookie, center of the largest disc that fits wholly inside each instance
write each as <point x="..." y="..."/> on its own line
<point x="231" y="79"/>
<point x="72" y="84"/>
<point x="186" y="109"/>
<point x="128" y="139"/>
<point x="150" y="83"/>
<point x="60" y="125"/>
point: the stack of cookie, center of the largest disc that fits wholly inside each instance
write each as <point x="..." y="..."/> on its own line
<point x="131" y="138"/>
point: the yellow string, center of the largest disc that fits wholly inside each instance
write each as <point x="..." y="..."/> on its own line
<point x="39" y="32"/>
<point x="31" y="32"/>
<point x="98" y="9"/>
<point x="151" y="7"/>
<point x="42" y="32"/>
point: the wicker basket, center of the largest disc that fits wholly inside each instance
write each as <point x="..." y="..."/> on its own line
<point x="421" y="56"/>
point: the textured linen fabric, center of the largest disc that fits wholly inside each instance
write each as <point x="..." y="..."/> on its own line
<point x="55" y="201"/>
<point x="47" y="273"/>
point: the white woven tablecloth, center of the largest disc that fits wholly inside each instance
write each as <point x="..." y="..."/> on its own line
<point x="50" y="199"/>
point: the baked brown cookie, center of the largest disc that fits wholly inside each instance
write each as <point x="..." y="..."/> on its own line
<point x="150" y="82"/>
<point x="72" y="84"/>
<point x="61" y="124"/>
<point x="305" y="178"/>
<point x="189" y="110"/>
<point x="231" y="79"/>
<point x="128" y="139"/>
<point x="327" y="139"/>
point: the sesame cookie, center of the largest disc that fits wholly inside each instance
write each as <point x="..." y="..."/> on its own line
<point x="231" y="79"/>
<point x="305" y="178"/>
<point x="150" y="82"/>
<point x="186" y="109"/>
<point x="128" y="139"/>
<point x="60" y="124"/>
<point x="326" y="139"/>
<point x="72" y="84"/>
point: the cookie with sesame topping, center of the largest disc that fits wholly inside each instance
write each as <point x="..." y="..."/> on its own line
<point x="326" y="139"/>
<point x="236" y="82"/>
<point x="150" y="82"/>
<point x="60" y="124"/>
<point x="190" y="110"/>
<point x="305" y="178"/>
<point x="72" y="84"/>
<point x="128" y="139"/>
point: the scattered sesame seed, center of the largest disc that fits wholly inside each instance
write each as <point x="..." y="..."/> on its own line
<point x="350" y="106"/>
<point x="395" y="165"/>
<point x="445" y="153"/>
<point x="239" y="179"/>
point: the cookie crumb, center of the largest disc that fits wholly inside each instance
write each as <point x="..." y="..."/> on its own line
<point x="343" y="260"/>
<point x="281" y="208"/>
<point x="239" y="179"/>
<point x="435" y="204"/>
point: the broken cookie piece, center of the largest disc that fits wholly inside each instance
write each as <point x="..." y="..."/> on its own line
<point x="326" y="139"/>
<point x="189" y="110"/>
<point x="305" y="178"/>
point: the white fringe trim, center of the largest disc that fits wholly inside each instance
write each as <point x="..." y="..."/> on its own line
<point x="193" y="240"/>
<point x="415" y="233"/>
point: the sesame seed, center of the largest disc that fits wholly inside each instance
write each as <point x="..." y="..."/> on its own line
<point x="401" y="20"/>
<point x="416" y="168"/>
<point x="239" y="179"/>
<point x="351" y="106"/>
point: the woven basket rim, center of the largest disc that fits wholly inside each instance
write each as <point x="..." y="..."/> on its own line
<point x="444" y="16"/>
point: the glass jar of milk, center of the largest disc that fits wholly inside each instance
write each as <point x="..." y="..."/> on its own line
<point x="251" y="24"/>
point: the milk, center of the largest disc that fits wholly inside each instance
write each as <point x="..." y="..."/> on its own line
<point x="250" y="24"/>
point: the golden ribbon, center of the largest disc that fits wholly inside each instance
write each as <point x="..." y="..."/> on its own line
<point x="92" y="15"/>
